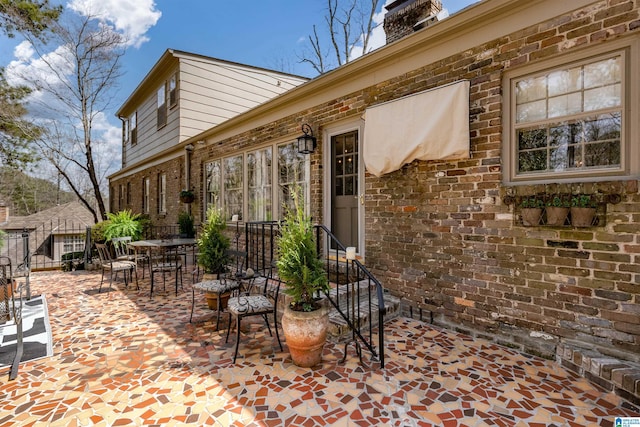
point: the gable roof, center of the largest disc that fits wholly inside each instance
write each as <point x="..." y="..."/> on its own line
<point x="72" y="215"/>
<point x="169" y="59"/>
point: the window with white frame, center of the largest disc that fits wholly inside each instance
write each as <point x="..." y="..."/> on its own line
<point x="213" y="189"/>
<point x="292" y="174"/>
<point x="173" y="90"/>
<point x="257" y="196"/>
<point x="162" y="105"/>
<point x="162" y="193"/>
<point x="133" y="128"/>
<point x="259" y="177"/>
<point x="73" y="243"/>
<point x="233" y="186"/>
<point x="571" y="120"/>
<point x="125" y="131"/>
<point x="146" y="187"/>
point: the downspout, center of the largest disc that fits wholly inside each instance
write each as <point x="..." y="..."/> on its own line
<point x="187" y="171"/>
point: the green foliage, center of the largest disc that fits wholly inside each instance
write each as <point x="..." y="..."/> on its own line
<point x="583" y="201"/>
<point x="213" y="244"/>
<point x="186" y="193"/>
<point x="559" y="202"/>
<point x="532" y="202"/>
<point x="2" y="237"/>
<point x="185" y="224"/>
<point x="298" y="263"/>
<point x="122" y="224"/>
<point x="27" y="16"/>
<point x="16" y="133"/>
<point x="97" y="232"/>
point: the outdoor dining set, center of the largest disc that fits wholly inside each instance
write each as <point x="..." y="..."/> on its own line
<point x="238" y="290"/>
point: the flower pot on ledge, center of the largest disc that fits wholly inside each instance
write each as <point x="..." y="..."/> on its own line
<point x="582" y="217"/>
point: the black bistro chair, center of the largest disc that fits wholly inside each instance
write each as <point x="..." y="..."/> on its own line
<point x="10" y="312"/>
<point x="260" y="298"/>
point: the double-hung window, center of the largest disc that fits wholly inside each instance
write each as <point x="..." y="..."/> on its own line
<point x="173" y="90"/>
<point x="162" y="193"/>
<point x="133" y="128"/>
<point x="260" y="176"/>
<point x="571" y="121"/>
<point x="233" y="186"/>
<point x="146" y="187"/>
<point x="162" y="105"/>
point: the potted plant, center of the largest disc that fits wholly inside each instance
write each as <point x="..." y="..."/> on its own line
<point x="531" y="210"/>
<point x="187" y="196"/>
<point x="583" y="210"/>
<point x="185" y="224"/>
<point x="212" y="253"/>
<point x="306" y="318"/>
<point x="557" y="210"/>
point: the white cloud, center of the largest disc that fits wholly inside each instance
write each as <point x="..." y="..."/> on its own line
<point x="131" y="18"/>
<point x="23" y="51"/>
<point x="377" y="38"/>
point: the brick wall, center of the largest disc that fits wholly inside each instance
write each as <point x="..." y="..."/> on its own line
<point x="174" y="170"/>
<point x="440" y="234"/>
<point x="402" y="16"/>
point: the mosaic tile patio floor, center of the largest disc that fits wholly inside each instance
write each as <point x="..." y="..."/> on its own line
<point x="123" y="359"/>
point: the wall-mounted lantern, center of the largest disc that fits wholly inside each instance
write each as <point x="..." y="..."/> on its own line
<point x="307" y="142"/>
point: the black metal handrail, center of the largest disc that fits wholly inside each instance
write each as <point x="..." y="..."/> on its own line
<point x="261" y="243"/>
<point x="334" y="257"/>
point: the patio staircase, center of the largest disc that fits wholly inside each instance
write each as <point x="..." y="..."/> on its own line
<point x="359" y="304"/>
<point x="366" y="316"/>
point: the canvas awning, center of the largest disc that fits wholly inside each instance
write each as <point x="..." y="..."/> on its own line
<point x="430" y="125"/>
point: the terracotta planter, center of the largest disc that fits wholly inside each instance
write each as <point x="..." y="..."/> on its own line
<point x="582" y="217"/>
<point x="556" y="215"/>
<point x="531" y="216"/>
<point x="212" y="297"/>
<point x="212" y="300"/>
<point x="305" y="333"/>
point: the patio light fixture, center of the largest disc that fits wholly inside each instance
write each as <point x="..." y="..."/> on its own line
<point x="307" y="142"/>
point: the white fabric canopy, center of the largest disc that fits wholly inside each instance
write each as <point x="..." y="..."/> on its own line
<point x="430" y="125"/>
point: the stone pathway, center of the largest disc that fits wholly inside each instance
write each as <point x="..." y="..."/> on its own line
<point x="123" y="359"/>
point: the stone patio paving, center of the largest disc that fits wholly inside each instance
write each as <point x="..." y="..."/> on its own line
<point x="123" y="359"/>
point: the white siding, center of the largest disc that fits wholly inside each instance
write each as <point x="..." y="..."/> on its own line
<point x="209" y="92"/>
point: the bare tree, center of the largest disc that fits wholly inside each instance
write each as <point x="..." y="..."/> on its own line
<point x="79" y="75"/>
<point x="348" y="23"/>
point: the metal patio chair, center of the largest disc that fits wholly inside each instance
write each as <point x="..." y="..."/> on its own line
<point x="227" y="282"/>
<point x="124" y="253"/>
<point x="10" y="312"/>
<point x="260" y="298"/>
<point x="115" y="266"/>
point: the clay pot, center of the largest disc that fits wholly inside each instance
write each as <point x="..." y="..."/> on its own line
<point x="582" y="217"/>
<point x="306" y="333"/>
<point x="556" y="215"/>
<point x="531" y="216"/>
<point x="212" y="300"/>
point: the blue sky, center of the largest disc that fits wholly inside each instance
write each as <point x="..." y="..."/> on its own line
<point x="264" y="33"/>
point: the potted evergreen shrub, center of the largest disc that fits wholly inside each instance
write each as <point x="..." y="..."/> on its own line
<point x="306" y="317"/>
<point x="187" y="196"/>
<point x="583" y="210"/>
<point x="186" y="226"/>
<point x="531" y="210"/>
<point x="557" y="210"/>
<point x="212" y="253"/>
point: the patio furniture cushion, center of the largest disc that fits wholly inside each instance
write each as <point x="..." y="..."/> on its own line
<point x="250" y="304"/>
<point x="217" y="286"/>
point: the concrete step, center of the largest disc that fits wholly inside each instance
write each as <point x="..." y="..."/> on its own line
<point x="338" y="327"/>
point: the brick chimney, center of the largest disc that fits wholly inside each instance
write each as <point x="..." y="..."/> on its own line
<point x="406" y="16"/>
